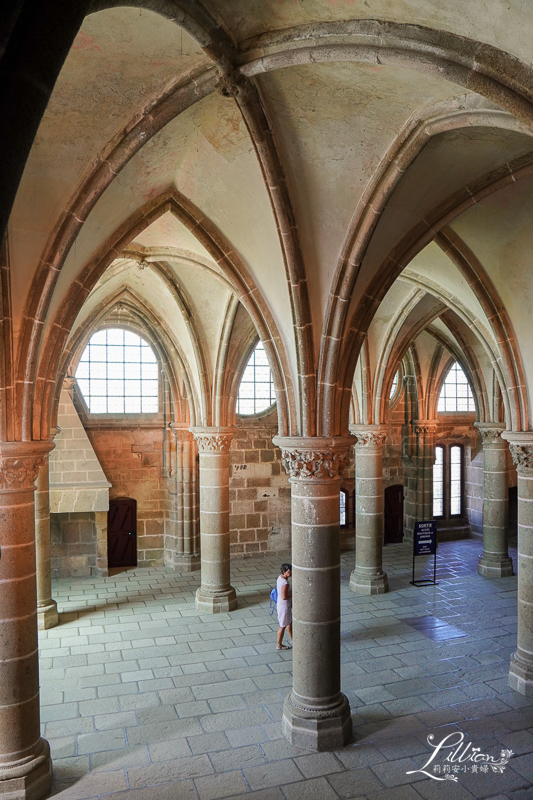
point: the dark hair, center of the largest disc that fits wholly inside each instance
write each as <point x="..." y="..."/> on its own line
<point x="285" y="567"/>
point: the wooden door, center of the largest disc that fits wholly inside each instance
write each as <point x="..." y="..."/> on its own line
<point x="122" y="532"/>
<point x="394" y="514"/>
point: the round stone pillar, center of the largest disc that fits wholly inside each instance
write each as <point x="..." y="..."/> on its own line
<point x="316" y="715"/>
<point x="47" y="616"/>
<point x="521" y="670"/>
<point x="215" y="593"/>
<point x="368" y="576"/>
<point x="494" y="561"/>
<point x="25" y="766"/>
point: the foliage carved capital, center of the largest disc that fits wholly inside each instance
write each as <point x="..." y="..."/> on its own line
<point x="521" y="447"/>
<point x="369" y="436"/>
<point x="490" y="434"/>
<point x="314" y="458"/>
<point x="522" y="455"/>
<point x="213" y="440"/>
<point x="19" y="473"/>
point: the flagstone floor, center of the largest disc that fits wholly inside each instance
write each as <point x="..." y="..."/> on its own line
<point x="143" y="698"/>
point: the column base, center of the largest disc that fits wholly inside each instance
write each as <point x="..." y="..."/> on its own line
<point x="495" y="568"/>
<point x="521" y="676"/>
<point x="216" y="602"/>
<point x="31" y="779"/>
<point x="47" y="616"/>
<point x="312" y="729"/>
<point x="186" y="563"/>
<point x="363" y="584"/>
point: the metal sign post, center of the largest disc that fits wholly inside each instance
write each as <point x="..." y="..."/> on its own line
<point x="425" y="544"/>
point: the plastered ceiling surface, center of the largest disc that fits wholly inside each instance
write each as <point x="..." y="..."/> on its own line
<point x="334" y="126"/>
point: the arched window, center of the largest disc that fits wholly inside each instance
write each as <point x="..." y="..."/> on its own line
<point x="438" y="482"/>
<point x="394" y="386"/>
<point x="456" y="394"/>
<point x="256" y="390"/>
<point x="448" y="481"/>
<point x="343" y="500"/>
<point x="118" y="374"/>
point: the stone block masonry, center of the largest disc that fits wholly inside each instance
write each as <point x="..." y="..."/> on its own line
<point x="73" y="544"/>
<point x="132" y="458"/>
<point x="260" y="495"/>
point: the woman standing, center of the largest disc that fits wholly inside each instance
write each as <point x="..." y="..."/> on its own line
<point x="284" y="606"/>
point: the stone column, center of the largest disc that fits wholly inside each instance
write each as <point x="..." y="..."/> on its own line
<point x="186" y="556"/>
<point x="47" y="616"/>
<point x="425" y="431"/>
<point x="368" y="576"/>
<point x="215" y="593"/>
<point x="316" y="715"/>
<point x="495" y="561"/>
<point x="521" y="670"/>
<point x="25" y="766"/>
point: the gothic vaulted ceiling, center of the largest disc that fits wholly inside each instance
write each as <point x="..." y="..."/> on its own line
<point x="323" y="165"/>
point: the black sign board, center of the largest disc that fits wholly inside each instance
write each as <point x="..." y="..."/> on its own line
<point x="425" y="544"/>
<point x="426" y="538"/>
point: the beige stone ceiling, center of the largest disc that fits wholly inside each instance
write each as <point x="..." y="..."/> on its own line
<point x="371" y="152"/>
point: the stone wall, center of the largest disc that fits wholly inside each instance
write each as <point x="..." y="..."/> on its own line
<point x="474" y="489"/>
<point x="260" y="493"/>
<point x="135" y="462"/>
<point x="73" y="544"/>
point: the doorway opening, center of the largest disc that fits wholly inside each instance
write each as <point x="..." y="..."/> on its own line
<point x="122" y="533"/>
<point x="394" y="514"/>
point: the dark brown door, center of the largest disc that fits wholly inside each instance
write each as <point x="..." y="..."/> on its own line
<point x="393" y="514"/>
<point x="122" y="533"/>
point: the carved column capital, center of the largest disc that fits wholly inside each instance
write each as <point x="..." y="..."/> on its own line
<point x="369" y="435"/>
<point x="314" y="457"/>
<point x="214" y="439"/>
<point x="20" y="463"/>
<point x="521" y="447"/>
<point x="491" y="432"/>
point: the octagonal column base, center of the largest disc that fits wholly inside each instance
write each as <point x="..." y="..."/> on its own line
<point x="317" y="729"/>
<point x="521" y="675"/>
<point x="216" y="602"/>
<point x="186" y="563"/>
<point x="30" y="779"/>
<point x="364" y="584"/>
<point x="495" y="567"/>
<point x="47" y="616"/>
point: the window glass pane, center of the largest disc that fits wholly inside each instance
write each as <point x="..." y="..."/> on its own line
<point x="256" y="390"/>
<point x="115" y="388"/>
<point x="394" y="386"/>
<point x="115" y="405"/>
<point x="132" y="405"/>
<point x="149" y="405"/>
<point x="115" y="354"/>
<point x="109" y="374"/>
<point x="455" y="480"/>
<point x="149" y="371"/>
<point x="97" y="370"/>
<point x="132" y="371"/>
<point x="438" y="483"/>
<point x="99" y="338"/>
<point x="456" y="394"/>
<point x="97" y="352"/>
<point x="82" y="371"/>
<point x="98" y="405"/>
